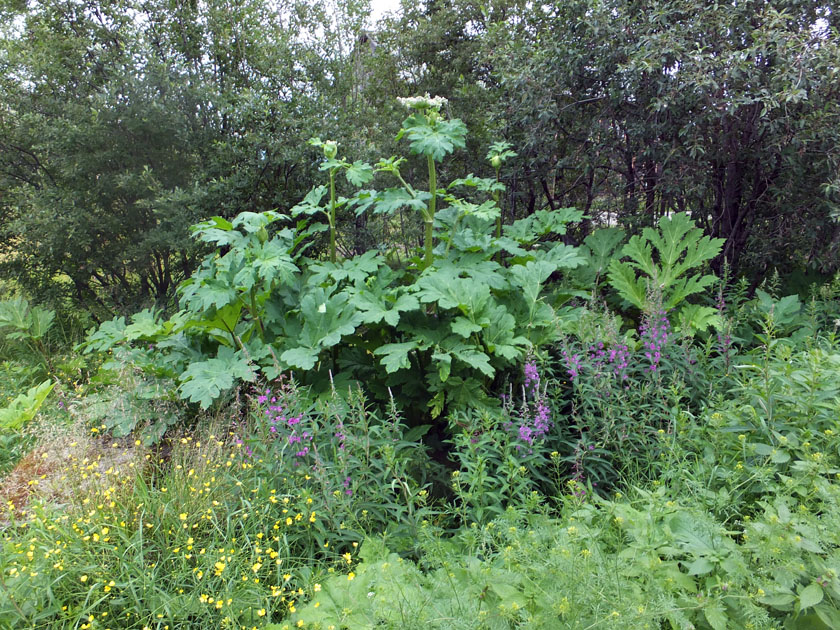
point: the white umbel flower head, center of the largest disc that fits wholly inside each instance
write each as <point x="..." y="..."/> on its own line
<point x="423" y="102"/>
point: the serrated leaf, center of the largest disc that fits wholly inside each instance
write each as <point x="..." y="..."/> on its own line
<point x="434" y="139"/>
<point x="602" y="246"/>
<point x="623" y="279"/>
<point x="716" y="616"/>
<point x="204" y="381"/>
<point x="24" y="407"/>
<point x="464" y="327"/>
<point x="530" y="278"/>
<point x="108" y="335"/>
<point x="395" y="355"/>
<point x="391" y="200"/>
<point x="695" y="318"/>
<point x="311" y="203"/>
<point x="542" y="223"/>
<point x="810" y="596"/>
<point x="359" y="173"/>
<point x="303" y="358"/>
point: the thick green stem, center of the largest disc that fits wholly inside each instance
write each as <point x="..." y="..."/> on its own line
<point x="429" y="220"/>
<point x="255" y="314"/>
<point x="496" y="197"/>
<point x="332" y="215"/>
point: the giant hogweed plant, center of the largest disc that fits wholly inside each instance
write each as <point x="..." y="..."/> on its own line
<point x="666" y="263"/>
<point x="438" y="330"/>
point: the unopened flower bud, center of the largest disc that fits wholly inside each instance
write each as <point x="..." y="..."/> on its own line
<point x="330" y="149"/>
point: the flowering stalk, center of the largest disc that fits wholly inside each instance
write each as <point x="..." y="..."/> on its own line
<point x="429" y="219"/>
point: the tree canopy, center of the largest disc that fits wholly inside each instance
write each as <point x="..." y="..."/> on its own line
<point x="123" y="122"/>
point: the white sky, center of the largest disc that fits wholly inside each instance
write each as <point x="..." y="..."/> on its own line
<point x="381" y="7"/>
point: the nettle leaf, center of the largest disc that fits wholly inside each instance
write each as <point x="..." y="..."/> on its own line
<point x="359" y="173"/>
<point x="395" y="355"/>
<point x="204" y="381"/>
<point x="435" y="139"/>
<point x="811" y="595"/>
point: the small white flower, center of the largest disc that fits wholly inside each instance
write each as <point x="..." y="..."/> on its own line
<point x="423" y="102"/>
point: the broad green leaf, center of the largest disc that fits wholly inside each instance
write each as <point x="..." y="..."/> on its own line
<point x="434" y="139"/>
<point x="695" y="318"/>
<point x="442" y="288"/>
<point x="623" y="279"/>
<point x="376" y="308"/>
<point x="464" y="327"/>
<point x="204" y="381"/>
<point x="303" y="358"/>
<point x="499" y="337"/>
<point x="530" y="278"/>
<point x="641" y="253"/>
<point x="444" y="362"/>
<point x="311" y="203"/>
<point x="108" y="335"/>
<point x="24" y="407"/>
<point x="810" y="596"/>
<point x="359" y="173"/>
<point x="253" y="222"/>
<point x="716" y="616"/>
<point x="601" y="247"/>
<point x="484" y="184"/>
<point x="42" y="320"/>
<point x="700" y="566"/>
<point x="692" y="534"/>
<point x="780" y="600"/>
<point x="562" y="256"/>
<point x="144" y="325"/>
<point x="219" y="232"/>
<point x="392" y="199"/>
<point x="542" y="223"/>
<point x="395" y="355"/>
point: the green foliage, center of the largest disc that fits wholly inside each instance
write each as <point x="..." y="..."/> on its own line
<point x="25" y="406"/>
<point x="441" y="330"/>
<point x="27" y="326"/>
<point x="679" y="248"/>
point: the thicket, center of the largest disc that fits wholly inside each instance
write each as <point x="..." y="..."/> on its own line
<point x="555" y="372"/>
